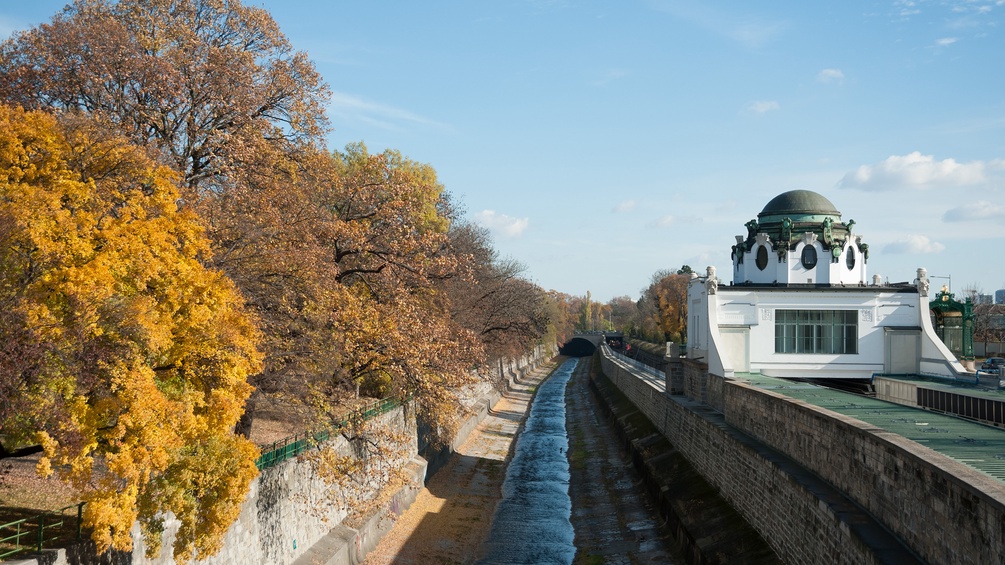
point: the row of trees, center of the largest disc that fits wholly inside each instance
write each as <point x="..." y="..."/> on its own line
<point x="658" y="315"/>
<point x="178" y="243"/>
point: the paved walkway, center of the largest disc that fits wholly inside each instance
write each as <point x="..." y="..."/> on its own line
<point x="452" y="516"/>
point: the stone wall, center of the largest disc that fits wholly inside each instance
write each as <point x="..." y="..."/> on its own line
<point x="944" y="511"/>
<point x="289" y="507"/>
<point x="785" y="513"/>
<point x="292" y="516"/>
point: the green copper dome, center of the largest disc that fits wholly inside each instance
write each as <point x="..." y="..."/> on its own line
<point x="798" y="204"/>
<point x="811" y="244"/>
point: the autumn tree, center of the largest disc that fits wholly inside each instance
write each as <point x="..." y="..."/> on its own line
<point x="214" y="90"/>
<point x="203" y="83"/>
<point x="133" y="357"/>
<point x="338" y="254"/>
<point x="562" y="313"/>
<point x="379" y="246"/>
<point x="666" y="302"/>
<point x="490" y="296"/>
<point x="624" y="314"/>
<point x="987" y="315"/>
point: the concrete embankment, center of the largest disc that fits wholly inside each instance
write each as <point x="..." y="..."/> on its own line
<point x="375" y="532"/>
<point x="705" y="527"/>
<point x="452" y="515"/>
<point x="293" y="516"/>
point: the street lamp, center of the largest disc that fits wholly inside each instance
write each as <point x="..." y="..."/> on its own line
<point x="950" y="277"/>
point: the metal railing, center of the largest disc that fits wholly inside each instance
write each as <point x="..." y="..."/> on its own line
<point x="34" y="532"/>
<point x="638" y="364"/>
<point x="294" y="445"/>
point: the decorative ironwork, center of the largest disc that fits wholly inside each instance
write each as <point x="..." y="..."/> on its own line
<point x="954" y="322"/>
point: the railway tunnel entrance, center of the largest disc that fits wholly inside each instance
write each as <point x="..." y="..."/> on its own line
<point x="586" y="344"/>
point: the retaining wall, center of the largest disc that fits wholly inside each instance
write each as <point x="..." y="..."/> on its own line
<point x="292" y="516"/>
<point x="944" y="511"/>
<point x="290" y="508"/>
<point x="790" y="518"/>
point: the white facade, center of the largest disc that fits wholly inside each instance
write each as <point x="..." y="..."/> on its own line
<point x="848" y="267"/>
<point x="795" y="313"/>
<point x="735" y="330"/>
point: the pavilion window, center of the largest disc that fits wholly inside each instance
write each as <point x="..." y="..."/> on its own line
<point x="816" y="331"/>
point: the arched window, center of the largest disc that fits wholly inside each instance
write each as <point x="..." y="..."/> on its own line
<point x="762" y="258"/>
<point x="850" y="260"/>
<point x="809" y="258"/>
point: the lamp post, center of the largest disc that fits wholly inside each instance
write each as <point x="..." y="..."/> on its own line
<point x="950" y="277"/>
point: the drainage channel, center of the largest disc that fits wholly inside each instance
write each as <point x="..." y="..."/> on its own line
<point x="532" y="522"/>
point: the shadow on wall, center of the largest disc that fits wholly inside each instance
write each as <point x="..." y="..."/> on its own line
<point x="578" y="347"/>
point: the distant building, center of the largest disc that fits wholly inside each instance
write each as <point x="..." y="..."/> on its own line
<point x="1000" y="296"/>
<point x="801" y="304"/>
<point x="984" y="299"/>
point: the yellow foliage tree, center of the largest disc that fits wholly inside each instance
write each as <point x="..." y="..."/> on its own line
<point x="666" y="298"/>
<point x="141" y="355"/>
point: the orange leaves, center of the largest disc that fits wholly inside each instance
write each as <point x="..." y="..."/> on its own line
<point x="150" y="350"/>
<point x="129" y="354"/>
<point x="200" y="81"/>
<point x="666" y="301"/>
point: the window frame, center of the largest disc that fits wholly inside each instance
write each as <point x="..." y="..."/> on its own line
<point x="808" y="258"/>
<point x="816" y="332"/>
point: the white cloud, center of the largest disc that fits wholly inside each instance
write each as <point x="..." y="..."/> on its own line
<point x="343" y="106"/>
<point x="501" y="223"/>
<point x="906" y="8"/>
<point x="624" y="206"/>
<point x="763" y="106"/>
<point x="977" y="211"/>
<point x="670" y="220"/>
<point x="830" y="75"/>
<point x="913" y="244"/>
<point x="918" y="171"/>
<point x="755" y="34"/>
<point x="945" y="41"/>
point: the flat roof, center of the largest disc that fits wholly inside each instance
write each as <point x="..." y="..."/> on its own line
<point x="979" y="446"/>
<point x="820" y="287"/>
<point x="985" y="387"/>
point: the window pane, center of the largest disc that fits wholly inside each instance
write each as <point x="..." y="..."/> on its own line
<point x="816" y="331"/>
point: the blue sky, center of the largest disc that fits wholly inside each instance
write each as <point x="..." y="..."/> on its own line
<point x="603" y="141"/>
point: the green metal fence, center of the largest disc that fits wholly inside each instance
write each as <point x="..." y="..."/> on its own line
<point x="290" y="447"/>
<point x="35" y="532"/>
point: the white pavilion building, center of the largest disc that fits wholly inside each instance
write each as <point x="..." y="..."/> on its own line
<point x="801" y="304"/>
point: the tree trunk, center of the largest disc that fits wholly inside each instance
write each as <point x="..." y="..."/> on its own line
<point x="4" y="454"/>
<point x="243" y="426"/>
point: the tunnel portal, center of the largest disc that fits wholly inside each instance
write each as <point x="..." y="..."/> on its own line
<point x="586" y="344"/>
<point x="578" y="347"/>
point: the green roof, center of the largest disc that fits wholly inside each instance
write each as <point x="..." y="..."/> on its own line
<point x="799" y="203"/>
<point x="976" y="445"/>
